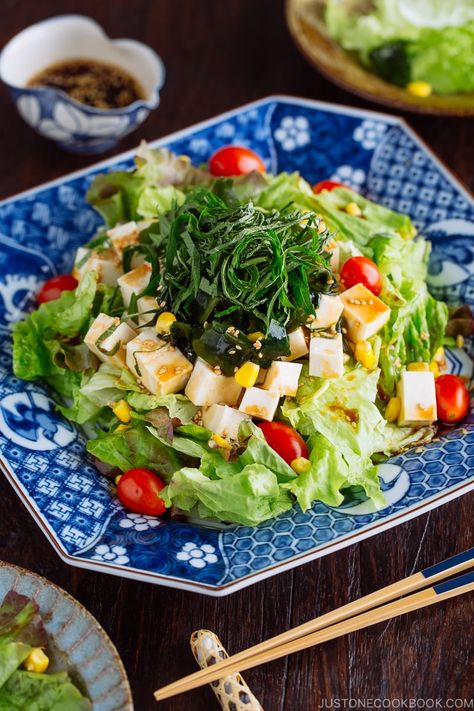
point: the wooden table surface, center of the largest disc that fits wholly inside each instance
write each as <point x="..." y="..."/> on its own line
<point x="219" y="54"/>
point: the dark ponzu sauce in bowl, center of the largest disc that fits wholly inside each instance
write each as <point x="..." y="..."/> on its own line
<point x="97" y="84"/>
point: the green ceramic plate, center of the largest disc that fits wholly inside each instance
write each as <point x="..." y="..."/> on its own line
<point x="304" y="19"/>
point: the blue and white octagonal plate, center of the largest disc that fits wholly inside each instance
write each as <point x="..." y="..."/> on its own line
<point x="43" y="455"/>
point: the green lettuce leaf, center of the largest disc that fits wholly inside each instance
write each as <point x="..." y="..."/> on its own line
<point x="247" y="498"/>
<point x="404" y="262"/>
<point x="135" y="447"/>
<point x="148" y="190"/>
<point x="20" y="620"/>
<point x="390" y="20"/>
<point x="324" y="479"/>
<point x="397" y="439"/>
<point x="414" y="332"/>
<point x="37" y="340"/>
<point x="285" y="189"/>
<point x="257" y="450"/>
<point x="95" y="391"/>
<point x="362" y="32"/>
<point x="156" y="201"/>
<point x="12" y="654"/>
<point x="246" y="490"/>
<point x="417" y="320"/>
<point x="377" y="219"/>
<point x="178" y="406"/>
<point x="343" y="410"/>
<point x="427" y="40"/>
<point x="41" y="692"/>
<point x="444" y="58"/>
<point x="21" y="629"/>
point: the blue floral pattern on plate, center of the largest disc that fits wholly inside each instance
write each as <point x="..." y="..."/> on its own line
<point x="43" y="456"/>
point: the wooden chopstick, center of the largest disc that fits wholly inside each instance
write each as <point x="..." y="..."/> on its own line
<point x="306" y="635"/>
<point x="416" y="601"/>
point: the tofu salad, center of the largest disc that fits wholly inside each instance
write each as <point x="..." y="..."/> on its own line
<point x="234" y="342"/>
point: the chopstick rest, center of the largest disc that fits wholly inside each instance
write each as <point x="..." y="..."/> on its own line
<point x="232" y="691"/>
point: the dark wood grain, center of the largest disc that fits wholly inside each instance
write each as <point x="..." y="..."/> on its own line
<point x="219" y="55"/>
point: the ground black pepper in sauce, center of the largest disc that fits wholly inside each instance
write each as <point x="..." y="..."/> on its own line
<point x="97" y="84"/>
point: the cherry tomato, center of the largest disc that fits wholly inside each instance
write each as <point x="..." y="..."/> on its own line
<point x="361" y="270"/>
<point x="53" y="288"/>
<point x="328" y="185"/>
<point x="235" y="160"/>
<point x="138" y="490"/>
<point x="452" y="398"/>
<point x="284" y="440"/>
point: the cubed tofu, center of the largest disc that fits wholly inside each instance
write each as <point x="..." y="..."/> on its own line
<point x="164" y="370"/>
<point x="328" y="312"/>
<point x="333" y="247"/>
<point x="283" y="378"/>
<point x="146" y="341"/>
<point x="206" y="387"/>
<point x="297" y="343"/>
<point x="80" y="263"/>
<point x="147" y="307"/>
<point x="416" y="390"/>
<point x="365" y="314"/>
<point x="105" y="263"/>
<point x="223" y="420"/>
<point x="326" y="357"/>
<point x="134" y="282"/>
<point x="123" y="236"/>
<point x="259" y="403"/>
<point x="110" y="349"/>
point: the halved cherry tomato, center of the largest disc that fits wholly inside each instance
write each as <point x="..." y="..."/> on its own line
<point x="328" y="185"/>
<point x="235" y="160"/>
<point x="452" y="398"/>
<point x="286" y="441"/>
<point x="53" y="288"/>
<point x="361" y="270"/>
<point x="138" y="490"/>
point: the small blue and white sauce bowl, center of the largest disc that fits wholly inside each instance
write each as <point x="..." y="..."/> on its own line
<point x="77" y="127"/>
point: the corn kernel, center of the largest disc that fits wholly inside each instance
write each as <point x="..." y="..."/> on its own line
<point x="256" y="336"/>
<point x="423" y="367"/>
<point x="393" y="409"/>
<point x="164" y="322"/>
<point x="221" y="442"/>
<point x="321" y="227"/>
<point x="439" y="355"/>
<point x="247" y="374"/>
<point x="36" y="661"/>
<point x="460" y="340"/>
<point x="117" y="479"/>
<point x="352" y="208"/>
<point x="434" y="367"/>
<point x="420" y="88"/>
<point x="364" y="353"/>
<point x="121" y="409"/>
<point x="300" y="465"/>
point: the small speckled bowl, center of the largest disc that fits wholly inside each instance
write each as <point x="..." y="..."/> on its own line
<point x="77" y="643"/>
<point x="76" y="127"/>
